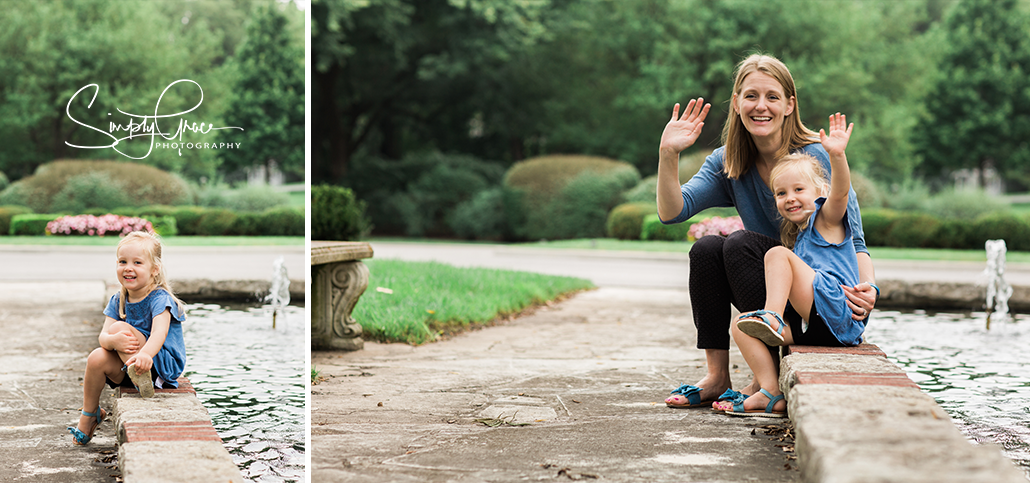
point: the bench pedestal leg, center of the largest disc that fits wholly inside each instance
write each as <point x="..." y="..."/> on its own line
<point x="337" y="288"/>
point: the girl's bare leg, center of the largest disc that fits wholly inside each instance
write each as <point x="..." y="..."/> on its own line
<point x="103" y="364"/>
<point x="786" y="277"/>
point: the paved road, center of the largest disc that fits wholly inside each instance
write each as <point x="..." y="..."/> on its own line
<point x="653" y="270"/>
<point x="59" y="263"/>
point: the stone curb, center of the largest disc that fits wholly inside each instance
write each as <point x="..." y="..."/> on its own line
<point x="944" y="295"/>
<point x="859" y="418"/>
<point x="169" y="438"/>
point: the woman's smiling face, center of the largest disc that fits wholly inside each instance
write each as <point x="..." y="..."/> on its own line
<point x="762" y="106"/>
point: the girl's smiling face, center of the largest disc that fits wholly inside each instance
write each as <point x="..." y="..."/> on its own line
<point x="762" y="105"/>
<point x="795" y="196"/>
<point x="135" y="269"/>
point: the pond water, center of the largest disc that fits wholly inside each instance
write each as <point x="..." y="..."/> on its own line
<point x="250" y="377"/>
<point x="980" y="377"/>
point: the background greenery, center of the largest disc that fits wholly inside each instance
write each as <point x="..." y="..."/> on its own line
<point x="247" y="57"/>
<point x="405" y="90"/>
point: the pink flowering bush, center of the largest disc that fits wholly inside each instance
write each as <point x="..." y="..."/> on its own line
<point x="98" y="225"/>
<point x="714" y="226"/>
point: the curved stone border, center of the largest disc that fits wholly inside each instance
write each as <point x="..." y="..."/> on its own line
<point x="859" y="418"/>
<point x="169" y="438"/>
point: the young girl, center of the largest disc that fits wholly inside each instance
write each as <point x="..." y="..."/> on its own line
<point x="815" y="223"/>
<point x="141" y="343"/>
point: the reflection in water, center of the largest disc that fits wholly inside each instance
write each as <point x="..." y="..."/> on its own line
<point x="250" y="377"/>
<point x="980" y="377"/>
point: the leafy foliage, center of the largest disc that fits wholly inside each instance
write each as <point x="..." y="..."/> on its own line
<point x="268" y="98"/>
<point x="976" y="111"/>
<point x="654" y="229"/>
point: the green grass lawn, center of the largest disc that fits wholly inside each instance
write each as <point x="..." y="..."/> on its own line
<point x="173" y="241"/>
<point x="416" y="302"/>
<point x="297" y="198"/>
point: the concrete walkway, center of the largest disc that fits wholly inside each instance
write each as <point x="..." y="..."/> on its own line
<point x="588" y="375"/>
<point x="51" y="303"/>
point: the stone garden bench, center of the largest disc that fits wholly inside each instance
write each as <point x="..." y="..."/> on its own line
<point x="339" y="279"/>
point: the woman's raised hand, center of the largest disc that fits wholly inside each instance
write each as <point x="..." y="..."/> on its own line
<point x="682" y="131"/>
<point x="837" y="140"/>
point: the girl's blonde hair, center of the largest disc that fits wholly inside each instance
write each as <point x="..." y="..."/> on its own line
<point x="741" y="151"/>
<point x="151" y="245"/>
<point x="811" y="171"/>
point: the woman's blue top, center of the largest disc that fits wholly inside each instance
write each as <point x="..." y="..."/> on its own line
<point x="170" y="361"/>
<point x="835" y="264"/>
<point x="753" y="199"/>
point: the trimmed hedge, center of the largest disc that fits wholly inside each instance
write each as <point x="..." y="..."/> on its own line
<point x="626" y="221"/>
<point x="914" y="230"/>
<point x="8" y="212"/>
<point x="654" y="229"/>
<point x="31" y="223"/>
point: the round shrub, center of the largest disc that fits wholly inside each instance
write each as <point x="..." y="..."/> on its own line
<point x="913" y="230"/>
<point x="965" y="204"/>
<point x="139" y="184"/>
<point x="7" y="212"/>
<point x="626" y="221"/>
<point x="566" y="196"/>
<point x="481" y="217"/>
<point x="646" y="191"/>
<point x="247" y="223"/>
<point x="89" y="190"/>
<point x="876" y="223"/>
<point x="4" y="182"/>
<point x="416" y="195"/>
<point x="336" y="214"/>
<point x="1013" y="229"/>
<point x="281" y="221"/>
<point x="187" y="219"/>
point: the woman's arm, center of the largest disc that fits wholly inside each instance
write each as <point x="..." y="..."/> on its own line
<point x="680" y="133"/>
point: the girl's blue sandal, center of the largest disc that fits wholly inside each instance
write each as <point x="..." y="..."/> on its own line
<point x="83" y="438"/>
<point x="738" y="408"/>
<point x="685" y="397"/>
<point x="756" y="325"/>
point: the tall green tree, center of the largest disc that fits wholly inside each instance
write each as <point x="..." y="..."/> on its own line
<point x="397" y="75"/>
<point x="268" y="98"/>
<point x="129" y="49"/>
<point x="978" y="112"/>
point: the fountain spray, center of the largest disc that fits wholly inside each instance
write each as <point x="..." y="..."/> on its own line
<point x="998" y="290"/>
<point x="279" y="295"/>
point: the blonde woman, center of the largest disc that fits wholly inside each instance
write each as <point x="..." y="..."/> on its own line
<point x="763" y="125"/>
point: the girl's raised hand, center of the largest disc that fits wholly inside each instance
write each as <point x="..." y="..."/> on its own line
<point x="837" y="140"/>
<point x="143" y="362"/>
<point x="682" y="131"/>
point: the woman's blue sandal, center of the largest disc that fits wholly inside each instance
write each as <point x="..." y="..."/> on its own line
<point x="738" y="408"/>
<point x="756" y="325"/>
<point x="687" y="396"/>
<point x="83" y="438"/>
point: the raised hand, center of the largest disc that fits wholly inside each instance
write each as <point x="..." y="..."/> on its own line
<point x="682" y="131"/>
<point x="143" y="362"/>
<point x="837" y="140"/>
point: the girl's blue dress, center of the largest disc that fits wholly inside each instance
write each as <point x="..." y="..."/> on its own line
<point x="170" y="361"/>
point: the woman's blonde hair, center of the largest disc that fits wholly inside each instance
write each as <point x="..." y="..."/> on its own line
<point x="151" y="245"/>
<point x="741" y="151"/>
<point x="811" y="171"/>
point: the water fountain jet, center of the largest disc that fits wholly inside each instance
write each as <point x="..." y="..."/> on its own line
<point x="279" y="295"/>
<point x="998" y="290"/>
